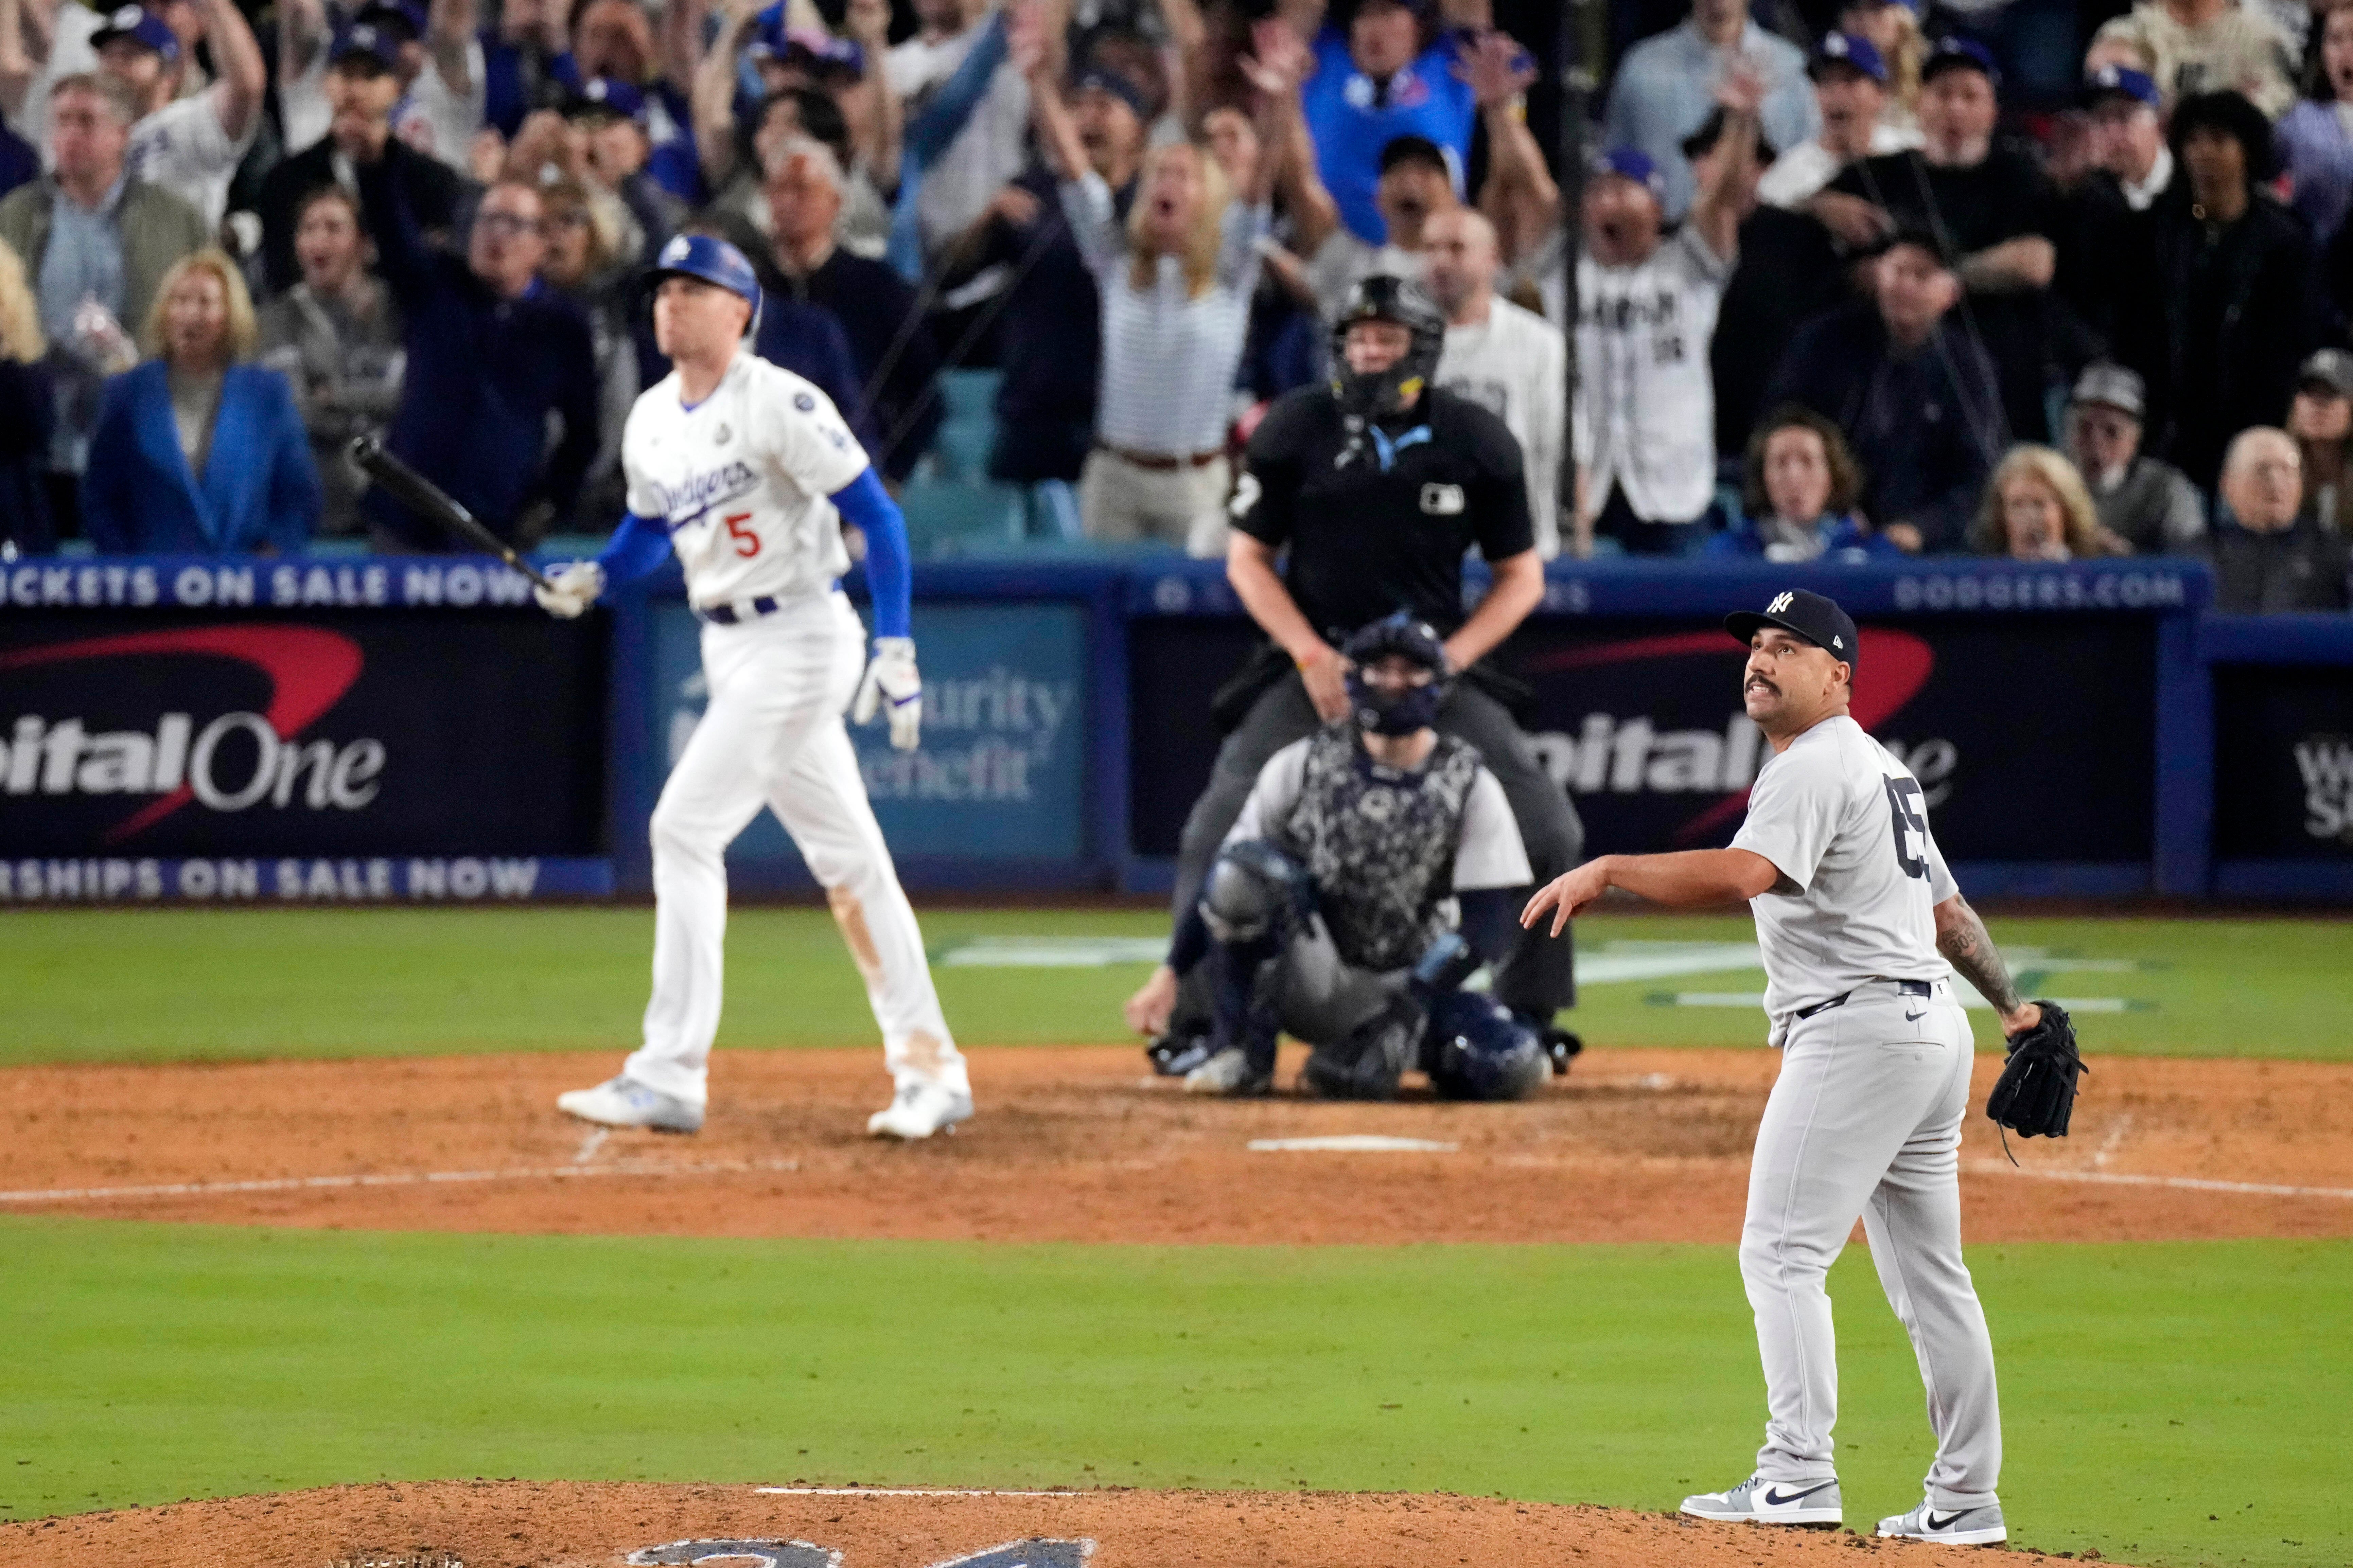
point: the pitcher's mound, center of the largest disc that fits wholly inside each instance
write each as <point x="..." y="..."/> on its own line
<point x="524" y="1524"/>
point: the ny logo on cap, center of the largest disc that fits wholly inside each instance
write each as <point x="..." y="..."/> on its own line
<point x="1779" y="604"/>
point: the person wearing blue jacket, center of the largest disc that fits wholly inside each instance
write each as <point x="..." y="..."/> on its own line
<point x="1798" y="497"/>
<point x="195" y="452"/>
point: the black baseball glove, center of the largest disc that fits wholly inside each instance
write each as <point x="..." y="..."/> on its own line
<point x="2035" y="1095"/>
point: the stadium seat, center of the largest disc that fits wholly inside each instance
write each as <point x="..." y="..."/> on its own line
<point x="960" y="452"/>
<point x="950" y="517"/>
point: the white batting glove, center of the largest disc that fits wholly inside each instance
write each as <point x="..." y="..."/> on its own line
<point x="891" y="678"/>
<point x="574" y="589"/>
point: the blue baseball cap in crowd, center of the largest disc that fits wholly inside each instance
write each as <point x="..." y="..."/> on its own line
<point x="1809" y="615"/>
<point x="365" y="41"/>
<point x="607" y="95"/>
<point x="1118" y="86"/>
<point x="1961" y="54"/>
<point x="2123" y="81"/>
<point x="1632" y="164"/>
<point x="712" y="260"/>
<point x="141" y="27"/>
<point x="1851" y="50"/>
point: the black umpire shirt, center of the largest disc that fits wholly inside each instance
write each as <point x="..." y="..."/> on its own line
<point x="1380" y="522"/>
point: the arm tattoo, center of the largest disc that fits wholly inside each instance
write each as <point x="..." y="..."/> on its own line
<point x="1964" y="942"/>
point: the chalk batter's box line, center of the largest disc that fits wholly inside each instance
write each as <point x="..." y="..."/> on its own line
<point x="397" y="1179"/>
<point x="749" y="1167"/>
<point x="2187" y="1183"/>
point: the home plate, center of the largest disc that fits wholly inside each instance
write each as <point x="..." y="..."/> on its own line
<point x="1351" y="1143"/>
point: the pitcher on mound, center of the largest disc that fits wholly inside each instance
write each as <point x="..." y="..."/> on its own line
<point x="741" y="466"/>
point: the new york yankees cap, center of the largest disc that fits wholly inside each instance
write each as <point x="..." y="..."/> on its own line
<point x="1809" y="616"/>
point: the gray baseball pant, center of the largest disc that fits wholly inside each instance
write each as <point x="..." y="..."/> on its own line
<point x="1865" y="1119"/>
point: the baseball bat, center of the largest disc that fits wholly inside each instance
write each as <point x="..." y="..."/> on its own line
<point x="427" y="500"/>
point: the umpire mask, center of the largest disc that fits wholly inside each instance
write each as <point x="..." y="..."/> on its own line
<point x="1385" y="394"/>
<point x="1383" y="709"/>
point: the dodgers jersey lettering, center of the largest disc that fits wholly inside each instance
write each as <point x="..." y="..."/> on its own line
<point x="741" y="479"/>
<point x="1844" y="823"/>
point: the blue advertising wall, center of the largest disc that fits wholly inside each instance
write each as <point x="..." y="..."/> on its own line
<point x="340" y="729"/>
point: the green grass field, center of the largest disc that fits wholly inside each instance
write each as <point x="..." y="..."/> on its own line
<point x="2146" y="1386"/>
<point x="163" y="984"/>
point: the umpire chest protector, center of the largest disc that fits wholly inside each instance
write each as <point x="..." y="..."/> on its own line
<point x="1379" y="844"/>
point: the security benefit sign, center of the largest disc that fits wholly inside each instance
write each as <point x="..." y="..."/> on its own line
<point x="257" y="741"/>
<point x="1001" y="774"/>
<point x="2282" y="763"/>
<point x="2034" y="737"/>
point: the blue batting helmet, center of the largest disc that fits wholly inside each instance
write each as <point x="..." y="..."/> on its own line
<point x="1475" y="1049"/>
<point x="716" y="262"/>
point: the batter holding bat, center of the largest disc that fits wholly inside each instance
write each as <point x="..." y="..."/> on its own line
<point x="749" y="472"/>
<point x="1860" y="926"/>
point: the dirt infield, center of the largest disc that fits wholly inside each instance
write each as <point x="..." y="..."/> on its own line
<point x="1080" y="1144"/>
<point x="487" y="1524"/>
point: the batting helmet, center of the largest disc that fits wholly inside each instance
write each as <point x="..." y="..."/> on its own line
<point x="1400" y="634"/>
<point x="1475" y="1049"/>
<point x="1382" y="298"/>
<point x="715" y="261"/>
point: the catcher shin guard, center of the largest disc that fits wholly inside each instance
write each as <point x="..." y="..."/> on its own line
<point x="1368" y="1064"/>
<point x="1475" y="1049"/>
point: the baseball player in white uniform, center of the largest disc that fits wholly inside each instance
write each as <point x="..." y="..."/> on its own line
<point x="748" y="473"/>
<point x="1860" y="926"/>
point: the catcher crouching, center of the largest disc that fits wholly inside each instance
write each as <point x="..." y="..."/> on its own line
<point x="1375" y="868"/>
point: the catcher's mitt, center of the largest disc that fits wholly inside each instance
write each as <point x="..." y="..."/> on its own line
<point x="2035" y="1095"/>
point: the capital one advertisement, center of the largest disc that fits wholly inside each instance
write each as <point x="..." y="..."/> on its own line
<point x="2033" y="736"/>
<point x="267" y="747"/>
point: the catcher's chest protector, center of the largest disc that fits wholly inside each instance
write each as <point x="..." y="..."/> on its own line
<point x="1379" y="844"/>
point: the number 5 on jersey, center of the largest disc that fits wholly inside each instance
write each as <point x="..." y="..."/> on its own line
<point x="747" y="543"/>
<point x="1900" y="795"/>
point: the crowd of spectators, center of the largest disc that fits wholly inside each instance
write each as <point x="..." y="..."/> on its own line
<point x="1852" y="278"/>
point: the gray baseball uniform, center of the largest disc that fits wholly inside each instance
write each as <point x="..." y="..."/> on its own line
<point x="1865" y="1116"/>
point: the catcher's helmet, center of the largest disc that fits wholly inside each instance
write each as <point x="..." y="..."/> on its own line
<point x="1382" y="298"/>
<point x="1396" y="713"/>
<point x="1475" y="1049"/>
<point x="715" y="261"/>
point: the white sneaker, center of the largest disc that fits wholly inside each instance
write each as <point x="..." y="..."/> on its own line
<point x="1979" y="1526"/>
<point x="1228" y="1072"/>
<point x="625" y="1102"/>
<point x="1759" y="1502"/>
<point x="919" y="1111"/>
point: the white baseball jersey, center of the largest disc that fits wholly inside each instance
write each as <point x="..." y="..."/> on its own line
<point x="185" y="148"/>
<point x="1844" y="823"/>
<point x="1642" y="334"/>
<point x="741" y="479"/>
<point x="1514" y="365"/>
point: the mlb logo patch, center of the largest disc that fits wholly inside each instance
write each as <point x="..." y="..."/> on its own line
<point x="1442" y="500"/>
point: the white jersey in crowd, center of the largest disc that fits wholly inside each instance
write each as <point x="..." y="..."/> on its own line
<point x="1642" y="335"/>
<point x="1843" y="823"/>
<point x="1514" y="364"/>
<point x="741" y="480"/>
<point x="185" y="148"/>
<point x="1798" y="176"/>
<point x="1490" y="854"/>
<point x="990" y="149"/>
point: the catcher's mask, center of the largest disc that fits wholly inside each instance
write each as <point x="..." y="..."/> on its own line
<point x="1395" y="391"/>
<point x="1381" y="710"/>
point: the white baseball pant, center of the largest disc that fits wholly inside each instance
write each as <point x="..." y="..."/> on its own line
<point x="772" y="735"/>
<point x="1865" y="1119"/>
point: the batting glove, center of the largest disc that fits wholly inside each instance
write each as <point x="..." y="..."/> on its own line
<point x="571" y="589"/>
<point x="892" y="684"/>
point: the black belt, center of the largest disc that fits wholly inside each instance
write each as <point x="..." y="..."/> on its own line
<point x="1903" y="988"/>
<point x="727" y="614"/>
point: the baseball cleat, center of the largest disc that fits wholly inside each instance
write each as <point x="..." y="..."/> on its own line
<point x="1759" y="1502"/>
<point x="1949" y="1526"/>
<point x="1229" y="1072"/>
<point x="625" y="1102"/>
<point x="919" y="1111"/>
<point x="1174" y="1055"/>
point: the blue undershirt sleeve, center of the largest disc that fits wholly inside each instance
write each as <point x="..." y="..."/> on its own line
<point x="889" y="576"/>
<point x="637" y="547"/>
